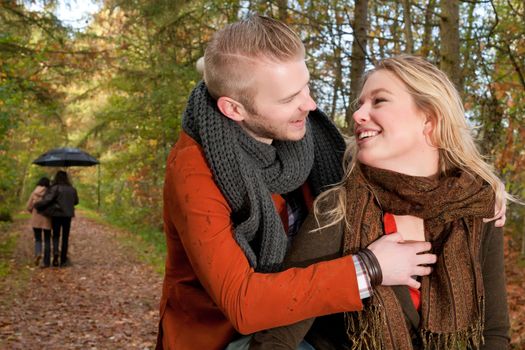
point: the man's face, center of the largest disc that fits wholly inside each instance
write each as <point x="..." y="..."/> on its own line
<point x="282" y="101"/>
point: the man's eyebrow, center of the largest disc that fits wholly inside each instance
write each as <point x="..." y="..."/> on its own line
<point x="296" y="93"/>
<point x="291" y="96"/>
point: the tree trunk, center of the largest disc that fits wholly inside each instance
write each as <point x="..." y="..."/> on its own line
<point x="282" y="6"/>
<point x="358" y="55"/>
<point x="449" y="35"/>
<point x="395" y="30"/>
<point x="338" y="80"/>
<point x="427" y="35"/>
<point x="407" y="17"/>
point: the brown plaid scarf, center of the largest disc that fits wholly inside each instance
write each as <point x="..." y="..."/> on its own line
<point x="452" y="208"/>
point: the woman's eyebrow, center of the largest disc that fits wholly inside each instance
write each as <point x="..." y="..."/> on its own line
<point x="374" y="92"/>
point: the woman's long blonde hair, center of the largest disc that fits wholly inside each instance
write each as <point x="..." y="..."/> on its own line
<point x="435" y="95"/>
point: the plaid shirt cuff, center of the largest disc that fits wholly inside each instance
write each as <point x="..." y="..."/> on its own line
<point x="363" y="280"/>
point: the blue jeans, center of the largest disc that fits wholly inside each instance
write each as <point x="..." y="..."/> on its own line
<point x="38" y="243"/>
<point x="244" y="344"/>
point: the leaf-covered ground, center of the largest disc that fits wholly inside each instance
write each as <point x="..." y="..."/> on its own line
<point x="106" y="299"/>
<point x="515" y="272"/>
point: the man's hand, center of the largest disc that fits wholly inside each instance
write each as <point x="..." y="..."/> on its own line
<point x="400" y="260"/>
<point x="500" y="216"/>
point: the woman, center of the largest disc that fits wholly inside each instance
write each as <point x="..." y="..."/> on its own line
<point x="416" y="170"/>
<point x="65" y="195"/>
<point x="40" y="223"/>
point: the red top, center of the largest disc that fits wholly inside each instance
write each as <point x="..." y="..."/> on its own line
<point x="390" y="227"/>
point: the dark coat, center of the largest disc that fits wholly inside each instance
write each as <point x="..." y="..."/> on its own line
<point x="328" y="332"/>
<point x="66" y="198"/>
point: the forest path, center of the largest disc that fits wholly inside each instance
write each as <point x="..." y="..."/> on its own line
<point x="106" y="299"/>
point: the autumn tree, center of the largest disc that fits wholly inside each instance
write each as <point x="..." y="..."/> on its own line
<point x="32" y="69"/>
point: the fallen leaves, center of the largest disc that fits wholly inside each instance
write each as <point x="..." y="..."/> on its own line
<point x="107" y="299"/>
<point x="515" y="274"/>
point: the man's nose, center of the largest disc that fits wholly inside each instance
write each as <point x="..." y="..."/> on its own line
<point x="308" y="103"/>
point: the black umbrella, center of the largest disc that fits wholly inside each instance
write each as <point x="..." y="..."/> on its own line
<point x="69" y="156"/>
<point x="64" y="157"/>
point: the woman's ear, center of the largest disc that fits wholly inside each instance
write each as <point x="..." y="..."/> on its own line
<point x="231" y="108"/>
<point x="428" y="130"/>
<point x="429" y="125"/>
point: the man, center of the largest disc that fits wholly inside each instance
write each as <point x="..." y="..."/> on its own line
<point x="253" y="153"/>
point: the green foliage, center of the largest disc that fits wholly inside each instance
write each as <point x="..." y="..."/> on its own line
<point x="7" y="246"/>
<point x="150" y="246"/>
<point x="30" y="74"/>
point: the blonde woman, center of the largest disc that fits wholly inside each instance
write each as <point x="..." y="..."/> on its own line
<point x="415" y="170"/>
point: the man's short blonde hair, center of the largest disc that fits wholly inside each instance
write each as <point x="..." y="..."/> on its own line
<point x="234" y="51"/>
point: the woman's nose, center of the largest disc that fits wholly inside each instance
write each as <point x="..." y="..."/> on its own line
<point x="361" y="114"/>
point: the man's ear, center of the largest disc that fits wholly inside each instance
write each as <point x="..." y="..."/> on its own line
<point x="231" y="108"/>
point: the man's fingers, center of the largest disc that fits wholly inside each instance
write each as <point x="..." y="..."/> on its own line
<point x="501" y="211"/>
<point x="501" y="221"/>
<point x="422" y="271"/>
<point x="413" y="283"/>
<point x="419" y="247"/>
<point x="498" y="212"/>
<point x="426" y="259"/>
<point x="499" y="217"/>
<point x="394" y="237"/>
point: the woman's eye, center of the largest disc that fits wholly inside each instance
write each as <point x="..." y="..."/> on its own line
<point x="379" y="100"/>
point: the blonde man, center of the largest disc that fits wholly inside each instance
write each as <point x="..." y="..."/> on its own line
<point x="253" y="153"/>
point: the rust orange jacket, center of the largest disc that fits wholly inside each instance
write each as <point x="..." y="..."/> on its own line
<point x="210" y="291"/>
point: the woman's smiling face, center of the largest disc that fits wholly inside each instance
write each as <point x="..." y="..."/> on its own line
<point x="391" y="132"/>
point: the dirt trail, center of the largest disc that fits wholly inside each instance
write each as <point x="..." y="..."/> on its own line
<point x="106" y="299"/>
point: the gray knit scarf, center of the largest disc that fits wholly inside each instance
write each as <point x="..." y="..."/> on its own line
<point x="248" y="171"/>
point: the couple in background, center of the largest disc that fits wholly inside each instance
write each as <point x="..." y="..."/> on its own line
<point x="56" y="207"/>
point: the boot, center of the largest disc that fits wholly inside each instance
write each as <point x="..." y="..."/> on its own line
<point x="55" y="260"/>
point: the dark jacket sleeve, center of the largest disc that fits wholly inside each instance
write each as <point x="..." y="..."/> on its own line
<point x="50" y="195"/>
<point x="496" y="329"/>
<point x="308" y="247"/>
<point x="76" y="197"/>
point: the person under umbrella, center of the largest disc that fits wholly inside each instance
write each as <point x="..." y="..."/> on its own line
<point x="66" y="197"/>
<point x="40" y="223"/>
